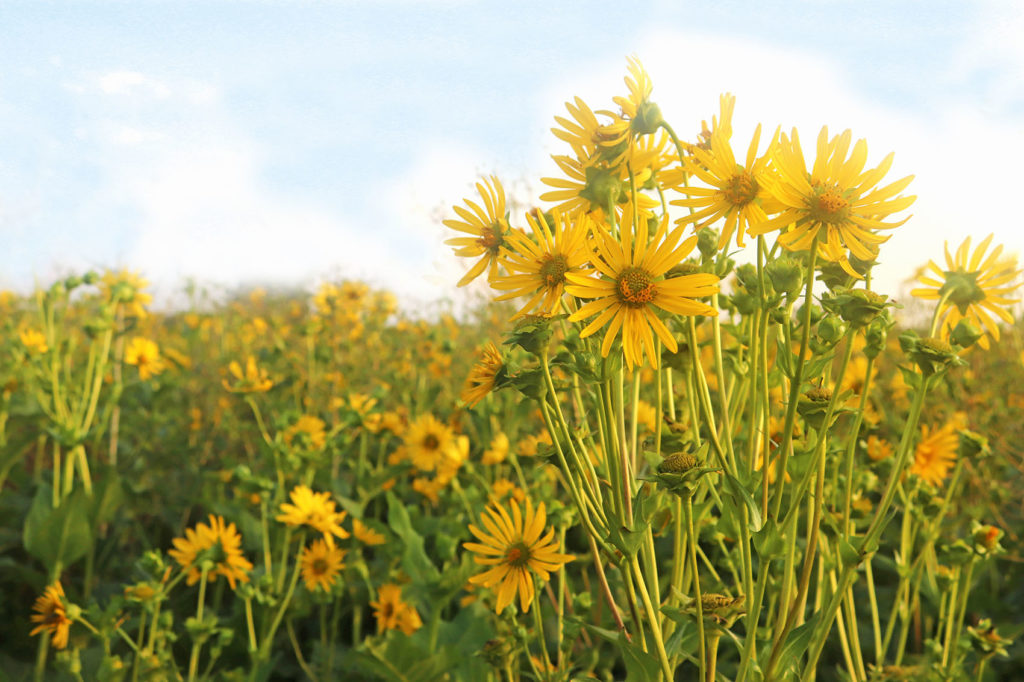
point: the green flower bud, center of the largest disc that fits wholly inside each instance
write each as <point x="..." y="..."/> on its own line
<point x="648" y="119"/>
<point x="90" y="278"/>
<point x="931" y="355"/>
<point x="973" y="446"/>
<point x="707" y="242"/>
<point x="786" y="275"/>
<point x="965" y="333"/>
<point x="746" y="275"/>
<point x="856" y="306"/>
<point x="875" y="336"/>
<point x="813" y="405"/>
<point x="830" y="330"/>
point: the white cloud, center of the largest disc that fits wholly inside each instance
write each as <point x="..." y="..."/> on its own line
<point x="132" y="82"/>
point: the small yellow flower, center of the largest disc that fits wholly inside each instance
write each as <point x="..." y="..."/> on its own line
<point x="253" y="380"/>
<point x="315" y="510"/>
<point x="321" y="562"/>
<point x="217" y="542"/>
<point x="878" y="449"/>
<point x="51" y="615"/>
<point x="392" y="613"/>
<point x="367" y="535"/>
<point x="514" y="546"/>
<point x="307" y="433"/>
<point x="530" y="445"/>
<point x="33" y="340"/>
<point x="144" y="354"/>
<point x="498" y="450"/>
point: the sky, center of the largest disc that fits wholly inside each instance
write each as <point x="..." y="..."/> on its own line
<point x="284" y="143"/>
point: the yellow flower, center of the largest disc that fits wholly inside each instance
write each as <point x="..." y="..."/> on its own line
<point x="637" y="114"/>
<point x="878" y="449"/>
<point x="33" y="340"/>
<point x="594" y="189"/>
<point x="218" y="543"/>
<point x="581" y="132"/>
<point x="737" y="195"/>
<point x="144" y="354"/>
<point x="51" y="615"/>
<point x="503" y="487"/>
<point x="935" y="454"/>
<point x="647" y="415"/>
<point x="856" y="374"/>
<point x="538" y="266"/>
<point x="633" y="285"/>
<point x="315" y="510"/>
<point x="367" y="535"/>
<point x="307" y="433"/>
<point x="488" y="229"/>
<point x="513" y="546"/>
<point x="498" y="450"/>
<point x="126" y="288"/>
<point x="482" y="376"/>
<point x="429" y="443"/>
<point x="529" y="445"/>
<point x="974" y="287"/>
<point x="392" y="613"/>
<point x="836" y="202"/>
<point x="253" y="380"/>
<point x="321" y="561"/>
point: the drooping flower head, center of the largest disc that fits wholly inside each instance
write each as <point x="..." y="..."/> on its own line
<point x="217" y="542"/>
<point x="837" y="202"/>
<point x="935" y="454"/>
<point x="315" y="510"/>
<point x="487" y="228"/>
<point x="514" y="546"/>
<point x="483" y="375"/>
<point x="632" y="285"/>
<point x="538" y="266"/>
<point x="973" y="287"/>
<point x="51" y="615"/>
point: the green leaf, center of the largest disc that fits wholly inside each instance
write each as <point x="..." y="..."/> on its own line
<point x="62" y="534"/>
<point x="768" y="541"/>
<point x="108" y="495"/>
<point x="640" y="665"/>
<point x="415" y="561"/>
<point x="797" y="641"/>
<point x="739" y="493"/>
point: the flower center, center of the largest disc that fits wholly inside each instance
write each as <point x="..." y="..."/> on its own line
<point x="518" y="555"/>
<point x="430" y="442"/>
<point x="553" y="269"/>
<point x="319" y="566"/>
<point x="740" y="189"/>
<point x="828" y="205"/>
<point x="491" y="238"/>
<point x="635" y="287"/>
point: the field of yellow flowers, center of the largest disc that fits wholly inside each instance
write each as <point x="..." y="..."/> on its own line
<point x="647" y="459"/>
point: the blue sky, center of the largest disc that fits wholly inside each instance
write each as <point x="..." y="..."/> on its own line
<point x="258" y="142"/>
